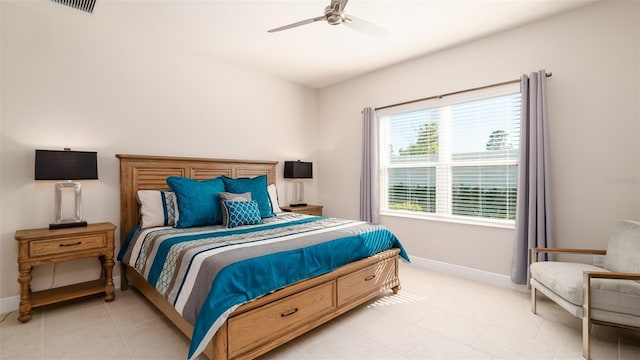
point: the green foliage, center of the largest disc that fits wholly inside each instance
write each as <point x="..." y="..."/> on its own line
<point x="473" y="201"/>
<point x="427" y="142"/>
<point x="492" y="203"/>
<point x="408" y="206"/>
<point x="412" y="198"/>
<point x="498" y="141"/>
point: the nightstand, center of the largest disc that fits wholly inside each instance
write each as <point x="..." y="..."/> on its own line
<point x="307" y="210"/>
<point x="44" y="246"/>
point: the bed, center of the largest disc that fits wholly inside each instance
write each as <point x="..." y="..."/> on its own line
<point x="274" y="317"/>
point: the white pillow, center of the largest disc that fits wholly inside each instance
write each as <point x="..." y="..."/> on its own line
<point x="157" y="208"/>
<point x="273" y="196"/>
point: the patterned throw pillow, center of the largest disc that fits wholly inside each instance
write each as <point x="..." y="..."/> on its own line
<point x="242" y="213"/>
<point x="234" y="197"/>
<point x="157" y="208"/>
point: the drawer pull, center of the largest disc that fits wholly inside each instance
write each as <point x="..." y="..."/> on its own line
<point x="288" y="313"/>
<point x="369" y="278"/>
<point x="73" y="244"/>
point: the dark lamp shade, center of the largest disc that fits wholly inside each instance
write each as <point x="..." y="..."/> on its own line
<point x="298" y="170"/>
<point x="66" y="165"/>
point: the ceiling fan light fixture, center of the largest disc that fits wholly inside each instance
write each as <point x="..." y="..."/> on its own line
<point x="334" y="19"/>
<point x="334" y="15"/>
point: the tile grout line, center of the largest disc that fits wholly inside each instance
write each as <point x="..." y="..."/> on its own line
<point x="401" y="293"/>
<point x="119" y="330"/>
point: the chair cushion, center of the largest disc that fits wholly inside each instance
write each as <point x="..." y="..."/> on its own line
<point x="575" y="310"/>
<point x="623" y="248"/>
<point x="565" y="280"/>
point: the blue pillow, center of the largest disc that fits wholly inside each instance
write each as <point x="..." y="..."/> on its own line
<point x="242" y="213"/>
<point x="198" y="201"/>
<point x="257" y="186"/>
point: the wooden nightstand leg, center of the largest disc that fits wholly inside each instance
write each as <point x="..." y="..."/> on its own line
<point x="25" y="292"/>
<point x="103" y="273"/>
<point x="109" y="294"/>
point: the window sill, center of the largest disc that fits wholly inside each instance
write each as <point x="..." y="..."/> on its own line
<point x="501" y="224"/>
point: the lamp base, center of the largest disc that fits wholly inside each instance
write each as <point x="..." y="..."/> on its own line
<point x="298" y="204"/>
<point x="67" y="225"/>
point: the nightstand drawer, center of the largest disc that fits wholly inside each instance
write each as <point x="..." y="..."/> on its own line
<point x="67" y="245"/>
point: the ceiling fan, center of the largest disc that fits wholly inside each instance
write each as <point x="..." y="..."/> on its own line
<point x="334" y="15"/>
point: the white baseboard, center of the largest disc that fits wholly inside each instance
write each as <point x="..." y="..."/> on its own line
<point x="467" y="273"/>
<point x="12" y="303"/>
<point x="9" y="304"/>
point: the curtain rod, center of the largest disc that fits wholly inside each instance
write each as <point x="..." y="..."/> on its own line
<point x="452" y="93"/>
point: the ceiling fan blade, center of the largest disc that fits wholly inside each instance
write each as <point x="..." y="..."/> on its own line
<point x="299" y="23"/>
<point x="364" y="26"/>
<point x="342" y="4"/>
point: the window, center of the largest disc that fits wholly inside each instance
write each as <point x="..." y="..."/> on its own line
<point x="454" y="157"/>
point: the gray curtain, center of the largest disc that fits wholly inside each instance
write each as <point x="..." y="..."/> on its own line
<point x="369" y="188"/>
<point x="534" y="217"/>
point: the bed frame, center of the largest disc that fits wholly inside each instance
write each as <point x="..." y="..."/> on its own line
<point x="272" y="320"/>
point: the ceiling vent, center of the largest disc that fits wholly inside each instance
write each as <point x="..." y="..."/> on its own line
<point x="83" y="5"/>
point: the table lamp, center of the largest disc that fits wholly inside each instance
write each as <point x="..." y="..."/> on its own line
<point x="298" y="170"/>
<point x="69" y="166"/>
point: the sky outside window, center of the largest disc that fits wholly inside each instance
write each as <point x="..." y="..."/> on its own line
<point x="472" y="124"/>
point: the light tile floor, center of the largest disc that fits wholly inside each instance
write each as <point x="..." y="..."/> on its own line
<point x="434" y="316"/>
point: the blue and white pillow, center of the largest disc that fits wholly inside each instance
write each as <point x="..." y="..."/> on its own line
<point x="233" y="197"/>
<point x="157" y="208"/>
<point x="242" y="213"/>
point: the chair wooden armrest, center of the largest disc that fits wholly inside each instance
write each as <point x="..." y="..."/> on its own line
<point x="534" y="252"/>
<point x="611" y="275"/>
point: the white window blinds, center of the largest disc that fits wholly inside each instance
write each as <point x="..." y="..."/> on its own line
<point x="455" y="157"/>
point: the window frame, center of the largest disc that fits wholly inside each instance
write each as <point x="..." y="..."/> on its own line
<point x="445" y="163"/>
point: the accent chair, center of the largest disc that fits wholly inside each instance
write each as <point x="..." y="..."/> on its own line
<point x="608" y="295"/>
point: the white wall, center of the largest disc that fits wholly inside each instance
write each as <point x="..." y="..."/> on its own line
<point x="593" y="53"/>
<point x="68" y="81"/>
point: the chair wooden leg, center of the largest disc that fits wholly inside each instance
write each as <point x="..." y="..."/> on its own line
<point x="533" y="300"/>
<point x="533" y="257"/>
<point x="586" y="340"/>
<point x="586" y="316"/>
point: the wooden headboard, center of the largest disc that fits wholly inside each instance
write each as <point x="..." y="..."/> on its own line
<point x="147" y="172"/>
